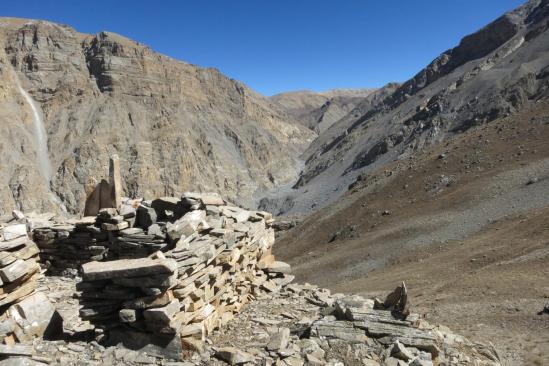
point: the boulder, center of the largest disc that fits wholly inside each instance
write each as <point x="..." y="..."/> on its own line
<point x="166" y="207"/>
<point x="211" y="199"/>
<point x="279" y="339"/>
<point x="187" y="225"/>
<point x="278" y="267"/>
<point x="146" y="216"/>
<point x="36" y="316"/>
<point x="234" y="356"/>
<point x="401" y="352"/>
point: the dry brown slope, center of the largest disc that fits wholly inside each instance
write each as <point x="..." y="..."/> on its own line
<point x="466" y="231"/>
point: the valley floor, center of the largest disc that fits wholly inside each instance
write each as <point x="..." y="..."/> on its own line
<point x="464" y="224"/>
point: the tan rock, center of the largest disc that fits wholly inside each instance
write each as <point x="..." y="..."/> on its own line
<point x="127" y="268"/>
<point x="14" y="231"/>
<point x="15" y="270"/>
<point x="233" y="356"/>
<point x="115" y="181"/>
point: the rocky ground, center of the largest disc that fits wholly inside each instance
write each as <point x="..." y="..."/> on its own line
<point x="463" y="223"/>
<point x="300" y="325"/>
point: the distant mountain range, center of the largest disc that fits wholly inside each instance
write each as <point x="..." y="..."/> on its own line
<point x="318" y="111"/>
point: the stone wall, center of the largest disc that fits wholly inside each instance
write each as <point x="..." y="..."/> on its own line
<point x="25" y="313"/>
<point x="166" y="271"/>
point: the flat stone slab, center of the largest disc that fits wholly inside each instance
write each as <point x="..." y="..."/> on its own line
<point x="337" y="330"/>
<point x="15" y="243"/>
<point x="16" y="350"/>
<point x="212" y="199"/>
<point x="14" y="231"/>
<point x="16" y="270"/>
<point x="278" y="267"/>
<point x="94" y="271"/>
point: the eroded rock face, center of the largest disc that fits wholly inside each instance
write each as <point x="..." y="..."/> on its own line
<point x="175" y="126"/>
<point x="318" y="111"/>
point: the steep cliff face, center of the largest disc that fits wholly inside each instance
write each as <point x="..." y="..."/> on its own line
<point x="492" y="73"/>
<point x="175" y="126"/>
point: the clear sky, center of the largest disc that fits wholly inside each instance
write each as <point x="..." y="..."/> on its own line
<point x="280" y="45"/>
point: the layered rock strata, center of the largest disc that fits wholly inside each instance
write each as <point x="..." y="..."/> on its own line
<point x="104" y="94"/>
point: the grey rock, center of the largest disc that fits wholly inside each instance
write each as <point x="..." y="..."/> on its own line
<point x="15" y="270"/>
<point x="278" y="267"/>
<point x="234" y="356"/>
<point x="400" y="352"/>
<point x="93" y="271"/>
<point x="329" y="329"/>
<point x="279" y="339"/>
<point x="128" y="315"/>
<point x="145" y="216"/>
<point x="16" y="350"/>
<point x="14" y="231"/>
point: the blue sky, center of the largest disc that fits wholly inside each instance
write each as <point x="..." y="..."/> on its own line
<point x="281" y="45"/>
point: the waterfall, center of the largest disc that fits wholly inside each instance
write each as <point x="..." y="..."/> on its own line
<point x="40" y="135"/>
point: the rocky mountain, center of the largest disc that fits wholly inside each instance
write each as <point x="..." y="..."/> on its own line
<point x="318" y="111"/>
<point x="175" y="126"/>
<point x="492" y="73"/>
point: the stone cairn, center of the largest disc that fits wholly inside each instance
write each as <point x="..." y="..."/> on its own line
<point x="164" y="273"/>
<point x="25" y="313"/>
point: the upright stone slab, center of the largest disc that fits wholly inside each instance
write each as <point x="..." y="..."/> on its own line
<point x="115" y="181"/>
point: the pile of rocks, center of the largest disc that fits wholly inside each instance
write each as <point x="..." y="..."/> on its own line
<point x="215" y="259"/>
<point x="24" y="312"/>
<point x="208" y="260"/>
<point x="306" y="325"/>
<point x="70" y="244"/>
<point x="109" y="235"/>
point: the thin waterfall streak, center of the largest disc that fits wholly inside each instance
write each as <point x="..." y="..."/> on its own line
<point x="40" y="136"/>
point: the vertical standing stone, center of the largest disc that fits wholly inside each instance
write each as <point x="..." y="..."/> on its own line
<point x="115" y="181"/>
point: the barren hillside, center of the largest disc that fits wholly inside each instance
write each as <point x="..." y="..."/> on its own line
<point x="463" y="223"/>
<point x="493" y="73"/>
